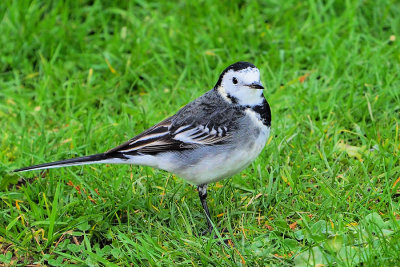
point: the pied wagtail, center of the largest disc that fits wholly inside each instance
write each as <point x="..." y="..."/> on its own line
<point x="211" y="138"/>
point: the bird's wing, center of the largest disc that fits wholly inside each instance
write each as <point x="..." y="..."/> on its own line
<point x="166" y="136"/>
<point x="182" y="131"/>
<point x="206" y="121"/>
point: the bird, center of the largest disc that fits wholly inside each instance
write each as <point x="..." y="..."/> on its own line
<point x="213" y="137"/>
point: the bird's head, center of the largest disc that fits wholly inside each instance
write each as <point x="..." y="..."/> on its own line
<point x="240" y="84"/>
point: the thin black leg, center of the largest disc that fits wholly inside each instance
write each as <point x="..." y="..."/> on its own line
<point x="203" y="198"/>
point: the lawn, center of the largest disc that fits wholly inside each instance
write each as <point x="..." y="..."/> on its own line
<point x="81" y="77"/>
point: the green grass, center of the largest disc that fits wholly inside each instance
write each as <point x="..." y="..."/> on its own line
<point x="81" y="77"/>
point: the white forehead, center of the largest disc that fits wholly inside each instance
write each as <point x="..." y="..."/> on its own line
<point x="245" y="75"/>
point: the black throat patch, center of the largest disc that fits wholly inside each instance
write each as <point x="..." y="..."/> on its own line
<point x="264" y="111"/>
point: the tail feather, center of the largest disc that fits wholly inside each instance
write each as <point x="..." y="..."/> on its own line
<point x="97" y="158"/>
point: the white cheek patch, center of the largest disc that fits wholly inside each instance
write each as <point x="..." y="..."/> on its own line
<point x="248" y="97"/>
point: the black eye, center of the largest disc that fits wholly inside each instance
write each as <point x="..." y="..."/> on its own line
<point x="234" y="80"/>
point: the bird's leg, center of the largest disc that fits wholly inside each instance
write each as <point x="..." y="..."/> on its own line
<point x="203" y="198"/>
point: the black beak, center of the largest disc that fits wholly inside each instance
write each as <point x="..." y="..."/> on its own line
<point x="256" y="85"/>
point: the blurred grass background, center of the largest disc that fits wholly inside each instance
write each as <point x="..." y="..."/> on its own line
<point x="79" y="77"/>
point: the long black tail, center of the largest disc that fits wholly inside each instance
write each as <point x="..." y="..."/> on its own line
<point x="97" y="158"/>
